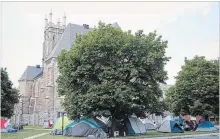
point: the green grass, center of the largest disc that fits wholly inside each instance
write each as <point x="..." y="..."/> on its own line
<point x="30" y="126"/>
<point x="34" y="127"/>
<point x="160" y="134"/>
<point x="149" y="134"/>
<point x="31" y="132"/>
<point x="57" y="137"/>
<point x="22" y="134"/>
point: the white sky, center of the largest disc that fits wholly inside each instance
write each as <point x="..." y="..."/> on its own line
<point x="23" y="26"/>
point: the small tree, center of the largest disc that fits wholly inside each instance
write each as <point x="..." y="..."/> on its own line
<point x="112" y="73"/>
<point x="197" y="88"/>
<point x="9" y="95"/>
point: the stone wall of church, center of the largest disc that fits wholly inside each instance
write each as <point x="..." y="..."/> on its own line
<point x="25" y="88"/>
<point x="44" y="93"/>
<point x="43" y="90"/>
<point x="26" y="119"/>
<point x="59" y="99"/>
<point x="37" y="85"/>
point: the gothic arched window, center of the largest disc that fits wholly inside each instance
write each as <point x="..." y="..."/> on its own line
<point x="54" y="38"/>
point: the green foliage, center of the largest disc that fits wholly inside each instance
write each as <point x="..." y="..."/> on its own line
<point x="197" y="88"/>
<point x="158" y="107"/>
<point x="169" y="97"/>
<point x="9" y="95"/>
<point x="112" y="73"/>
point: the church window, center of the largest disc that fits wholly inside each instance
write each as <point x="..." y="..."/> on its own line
<point x="48" y="77"/>
<point x="37" y="89"/>
<point x="54" y="38"/>
<point x="47" y="50"/>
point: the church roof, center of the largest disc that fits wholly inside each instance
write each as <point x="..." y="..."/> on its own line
<point x="39" y="75"/>
<point x="68" y="37"/>
<point x="115" y="25"/>
<point x="30" y="73"/>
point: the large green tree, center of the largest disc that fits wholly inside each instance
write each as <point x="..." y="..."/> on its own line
<point x="9" y="95"/>
<point x="196" y="91"/>
<point x="112" y="73"/>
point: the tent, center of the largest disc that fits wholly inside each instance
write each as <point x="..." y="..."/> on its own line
<point x="180" y="120"/>
<point x="206" y="126"/>
<point x="71" y="123"/>
<point x="84" y="128"/>
<point x="6" y="127"/>
<point x="198" y="118"/>
<point x="134" y="125"/>
<point x="103" y="119"/>
<point x="100" y="124"/>
<point x="149" y="125"/>
<point x="169" y="125"/>
<point x="57" y="128"/>
<point x="95" y="123"/>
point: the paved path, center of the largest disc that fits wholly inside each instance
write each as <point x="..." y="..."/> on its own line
<point x="200" y="136"/>
<point x="36" y="136"/>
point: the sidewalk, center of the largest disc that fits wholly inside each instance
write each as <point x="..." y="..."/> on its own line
<point x="186" y="136"/>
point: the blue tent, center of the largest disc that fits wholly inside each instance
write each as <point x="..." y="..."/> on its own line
<point x="180" y="120"/>
<point x="206" y="126"/>
<point x="7" y="127"/>
<point x="169" y="125"/>
<point x="84" y="127"/>
<point x="134" y="125"/>
<point x="70" y="124"/>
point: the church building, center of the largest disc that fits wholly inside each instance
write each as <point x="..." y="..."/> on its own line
<point x="40" y="101"/>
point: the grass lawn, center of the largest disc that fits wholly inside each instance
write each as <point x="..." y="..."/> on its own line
<point x="57" y="137"/>
<point x="149" y="134"/>
<point x="22" y="134"/>
<point x="32" y="132"/>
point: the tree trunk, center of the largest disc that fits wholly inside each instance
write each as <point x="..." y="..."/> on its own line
<point x="117" y="126"/>
<point x="206" y="117"/>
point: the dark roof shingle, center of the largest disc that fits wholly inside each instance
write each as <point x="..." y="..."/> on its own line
<point x="30" y="73"/>
<point x="68" y="38"/>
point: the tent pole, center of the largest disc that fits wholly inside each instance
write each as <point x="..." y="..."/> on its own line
<point x="62" y="122"/>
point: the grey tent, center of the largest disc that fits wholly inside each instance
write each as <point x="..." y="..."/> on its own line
<point x="83" y="129"/>
<point x="169" y="125"/>
<point x="100" y="123"/>
<point x="149" y="125"/>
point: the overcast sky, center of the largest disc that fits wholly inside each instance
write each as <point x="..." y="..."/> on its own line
<point x="190" y="27"/>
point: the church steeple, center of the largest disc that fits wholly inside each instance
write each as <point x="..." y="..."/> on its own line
<point x="46" y="21"/>
<point x="64" y="19"/>
<point x="50" y="16"/>
<point x="58" y="22"/>
<point x="52" y="34"/>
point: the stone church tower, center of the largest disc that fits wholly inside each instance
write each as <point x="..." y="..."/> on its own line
<point x="52" y="33"/>
<point x="40" y="101"/>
